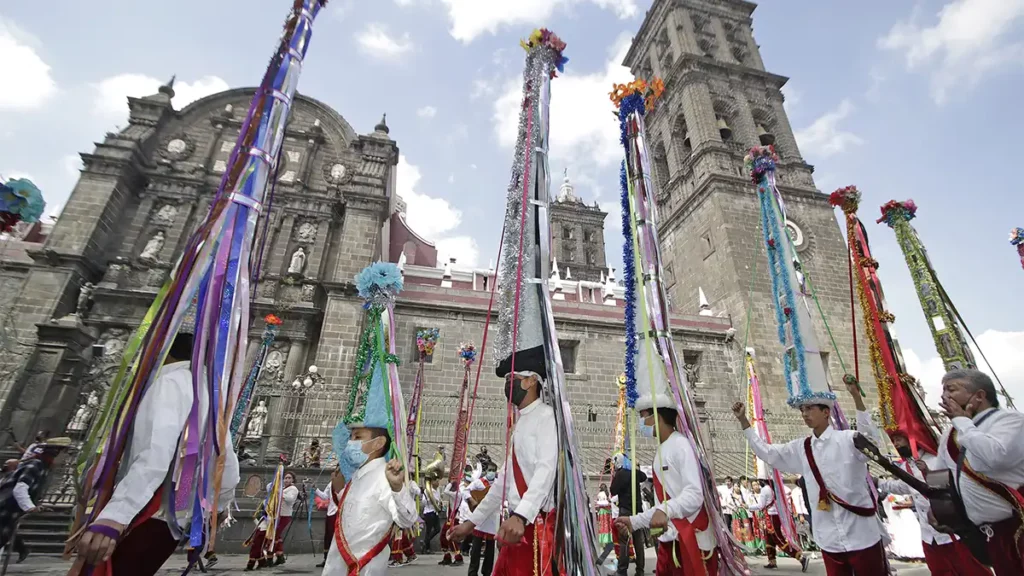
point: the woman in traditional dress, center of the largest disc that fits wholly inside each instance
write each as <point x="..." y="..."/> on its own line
<point x="903" y="526"/>
<point x="757" y="519"/>
<point x="603" y="507"/>
<point x="741" y="521"/>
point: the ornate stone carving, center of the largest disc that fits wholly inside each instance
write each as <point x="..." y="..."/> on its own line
<point x="307" y="292"/>
<point x="268" y="289"/>
<point x="306" y="232"/>
<point x="177" y="147"/>
<point x="272" y="366"/>
<point x="165" y="215"/>
<point x="86" y="411"/>
<point x="337" y="173"/>
<point x="257" y="420"/>
<point x="84" y="299"/>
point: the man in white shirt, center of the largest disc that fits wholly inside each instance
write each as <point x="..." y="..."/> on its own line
<point x="845" y="524"/>
<point x="687" y="545"/>
<point x="985" y="450"/>
<point x="24" y="483"/>
<point x="528" y="478"/>
<point x="454" y="550"/>
<point x="944" y="554"/>
<point x="330" y="493"/>
<point x="773" y="537"/>
<point x="129" y="533"/>
<point x="373" y="500"/>
<point x="483" y="535"/>
<point x="725" y="498"/>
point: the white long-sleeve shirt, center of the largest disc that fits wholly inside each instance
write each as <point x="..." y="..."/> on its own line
<point x="921" y="504"/>
<point x="367" y="514"/>
<point x="22" y="497"/>
<point x="159" y="421"/>
<point x="797" y="498"/>
<point x="431" y="500"/>
<point x="332" y="507"/>
<point x="844" y="470"/>
<point x="725" y="499"/>
<point x="490" y="524"/>
<point x="536" y="451"/>
<point x="766" y="501"/>
<point x="994" y="449"/>
<point x="678" y="471"/>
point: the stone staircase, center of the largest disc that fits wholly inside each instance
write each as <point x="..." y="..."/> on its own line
<point x="45" y="532"/>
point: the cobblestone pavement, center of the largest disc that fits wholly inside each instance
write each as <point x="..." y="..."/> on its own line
<point x="423" y="566"/>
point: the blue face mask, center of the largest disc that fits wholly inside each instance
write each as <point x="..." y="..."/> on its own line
<point x="354" y="453"/>
<point x="645" y="430"/>
<point x="490" y="476"/>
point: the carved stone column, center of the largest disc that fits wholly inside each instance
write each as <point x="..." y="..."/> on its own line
<point x="281" y="403"/>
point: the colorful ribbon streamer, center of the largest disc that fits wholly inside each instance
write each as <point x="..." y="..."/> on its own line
<point x="648" y="272"/>
<point x="900" y="399"/>
<point x="214" y="274"/>
<point x="1017" y="239"/>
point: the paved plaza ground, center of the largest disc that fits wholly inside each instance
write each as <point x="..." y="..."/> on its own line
<point x="423" y="566"/>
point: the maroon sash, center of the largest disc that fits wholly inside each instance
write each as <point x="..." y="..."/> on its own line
<point x="690" y="552"/>
<point x="1013" y="496"/>
<point x="825" y="495"/>
<point x="355" y="565"/>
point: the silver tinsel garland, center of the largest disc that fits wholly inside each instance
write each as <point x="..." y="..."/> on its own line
<point x="540" y="63"/>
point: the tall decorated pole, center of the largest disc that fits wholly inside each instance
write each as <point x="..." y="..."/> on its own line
<point x="1017" y="240"/>
<point x="900" y="397"/>
<point x="756" y="415"/>
<point x="652" y="365"/>
<point x="241" y="414"/>
<point x="526" y="339"/>
<point x="944" y="321"/>
<point x="213" y="274"/>
<point x="375" y="396"/>
<point x="467" y="354"/>
<point x="426" y="339"/>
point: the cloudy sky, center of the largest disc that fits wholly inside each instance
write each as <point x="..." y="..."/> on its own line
<point x="903" y="99"/>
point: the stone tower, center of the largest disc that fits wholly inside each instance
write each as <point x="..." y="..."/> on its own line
<point x="719" y="102"/>
<point x="577" y="232"/>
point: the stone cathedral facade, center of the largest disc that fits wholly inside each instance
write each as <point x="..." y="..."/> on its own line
<point x="76" y="294"/>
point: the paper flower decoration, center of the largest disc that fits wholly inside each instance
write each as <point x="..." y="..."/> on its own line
<point x="379" y="282"/>
<point x="426" y="339"/>
<point x="467" y="351"/>
<point x="272" y="320"/>
<point x="20" y="201"/>
<point x="1017" y="236"/>
<point x="759" y="161"/>
<point x="847" y="199"/>
<point x="893" y="211"/>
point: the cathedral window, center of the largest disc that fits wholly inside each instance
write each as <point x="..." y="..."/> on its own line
<point x="569" y="349"/>
<point x="661" y="172"/>
<point x="795" y="234"/>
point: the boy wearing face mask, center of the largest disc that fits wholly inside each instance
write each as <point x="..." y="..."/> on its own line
<point x="528" y="476"/>
<point x="482" y="540"/>
<point x="375" y="498"/>
<point x="687" y="537"/>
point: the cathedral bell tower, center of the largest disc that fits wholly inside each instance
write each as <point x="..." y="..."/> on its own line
<point x="577" y="232"/>
<point x="719" y="102"/>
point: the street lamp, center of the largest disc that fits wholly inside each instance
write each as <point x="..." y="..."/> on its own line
<point x="307" y="381"/>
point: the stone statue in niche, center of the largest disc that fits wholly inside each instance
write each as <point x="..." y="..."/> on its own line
<point x="165" y="216"/>
<point x="306" y="233"/>
<point x="298" y="262"/>
<point x="84" y="299"/>
<point x="152" y="249"/>
<point x="85" y="413"/>
<point x="692" y="369"/>
<point x="257" y="420"/>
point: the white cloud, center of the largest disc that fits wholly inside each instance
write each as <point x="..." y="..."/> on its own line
<point x="27" y="80"/>
<point x="451" y="178"/>
<point x="433" y="218"/>
<point x="375" y="41"/>
<point x="824" y="137"/>
<point x="112" y="93"/>
<point x="72" y="164"/>
<point x="874" y="92"/>
<point x="463" y="248"/>
<point x="967" y="41"/>
<point x="791" y="97"/>
<point x="583" y="129"/>
<point x="1003" y="351"/>
<point x="427" y="112"/>
<point x="471" y="18"/>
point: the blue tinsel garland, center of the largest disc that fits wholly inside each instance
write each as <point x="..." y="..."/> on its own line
<point x="773" y="234"/>
<point x="629" y="280"/>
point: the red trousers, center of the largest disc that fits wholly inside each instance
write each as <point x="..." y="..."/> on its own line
<point x="666" y="565"/>
<point x="532" y="556"/>
<point x="401" y="545"/>
<point x="447" y="545"/>
<point x="953" y="559"/>
<point x="1004" y="547"/>
<point x="143" y="550"/>
<point x="773" y="539"/>
<point x="866" y="562"/>
<point x="260" y="548"/>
